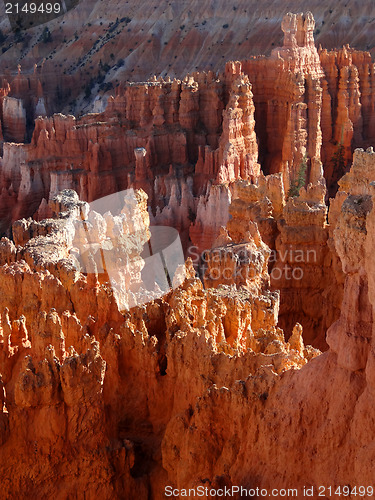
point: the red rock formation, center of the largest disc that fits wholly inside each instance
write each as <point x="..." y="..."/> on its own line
<point x="75" y="386"/>
<point x="306" y="268"/>
<point x="347" y="121"/>
<point x="23" y="98"/>
<point x="182" y="124"/>
<point x="165" y="121"/>
<point x="288" y="99"/>
<point x="177" y="140"/>
<point x="303" y="263"/>
<point x="14" y="120"/>
<point x="175" y="40"/>
<point x="324" y="404"/>
<point x="71" y="364"/>
<point x="81" y="382"/>
<point x="186" y="143"/>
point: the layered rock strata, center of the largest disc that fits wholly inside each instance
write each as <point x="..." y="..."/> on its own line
<point x="188" y="143"/>
<point x="288" y="100"/>
<point x="157" y="136"/>
<point x="325" y="404"/>
<point x="302" y="261"/>
<point x="83" y="383"/>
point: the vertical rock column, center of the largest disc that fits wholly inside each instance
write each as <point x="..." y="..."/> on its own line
<point x="14" y="120"/>
<point x="143" y="174"/>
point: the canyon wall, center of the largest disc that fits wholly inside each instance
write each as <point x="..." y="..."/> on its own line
<point x="283" y="430"/>
<point x="303" y="262"/>
<point x="83" y="383"/>
<point x="348" y="109"/>
<point x="288" y="99"/>
<point x="163" y="39"/>
<point x="174" y="139"/>
<point x="297" y="108"/>
<point x="117" y="390"/>
<point x="187" y="144"/>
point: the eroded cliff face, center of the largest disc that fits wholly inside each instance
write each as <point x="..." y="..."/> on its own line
<point x="211" y="382"/>
<point x="82" y="382"/>
<point x="188" y="143"/>
<point x="143" y="397"/>
<point x="174" y="139"/>
<point x="287" y="97"/>
<point x="308" y="104"/>
<point x="297" y="107"/>
<point x="23" y="99"/>
<point x="347" y="115"/>
<point x="93" y="46"/>
<point x="325" y="404"/>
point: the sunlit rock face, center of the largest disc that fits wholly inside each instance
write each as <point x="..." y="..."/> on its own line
<point x="125" y="366"/>
<point x="81" y="376"/>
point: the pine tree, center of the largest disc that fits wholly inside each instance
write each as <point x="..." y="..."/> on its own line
<point x="46" y="35"/>
<point x="338" y="159"/>
<point x="300" y="180"/>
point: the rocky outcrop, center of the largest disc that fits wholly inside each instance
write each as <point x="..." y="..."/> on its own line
<point x="69" y="358"/>
<point x="14" y="120"/>
<point x="82" y="382"/>
<point x="306" y="267"/>
<point x="23" y="98"/>
<point x="288" y="100"/>
<point x="190" y="144"/>
<point x="325" y="402"/>
<point x="347" y="121"/>
<point x="300" y="105"/>
<point x="212" y="213"/>
<point x="302" y="261"/>
<point x="350" y="210"/>
<point x="83" y="57"/>
<point x="119" y="377"/>
<point x="154" y="136"/>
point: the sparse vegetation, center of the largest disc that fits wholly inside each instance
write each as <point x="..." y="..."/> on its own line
<point x="89" y="87"/>
<point x="191" y="215"/>
<point x="104" y="67"/>
<point x="300" y="179"/>
<point x="59" y="94"/>
<point x="105" y="87"/>
<point x="338" y="158"/>
<point x="19" y="36"/>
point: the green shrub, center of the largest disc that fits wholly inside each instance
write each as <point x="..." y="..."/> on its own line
<point x="300" y="179"/>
